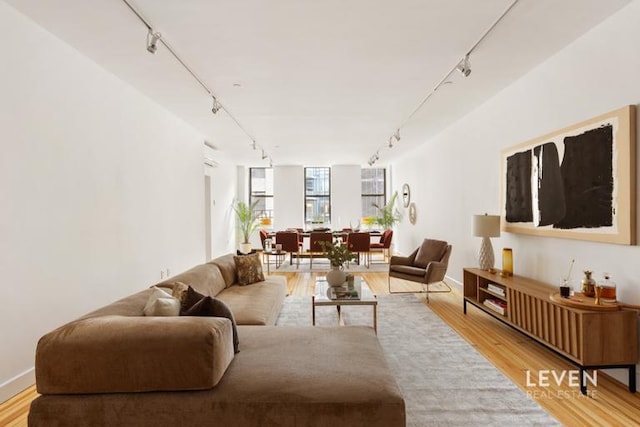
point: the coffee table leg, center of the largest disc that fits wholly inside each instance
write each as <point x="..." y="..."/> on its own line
<point x="313" y="310"/>
<point x="375" y="318"/>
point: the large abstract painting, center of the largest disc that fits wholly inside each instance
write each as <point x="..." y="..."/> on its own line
<point x="577" y="183"/>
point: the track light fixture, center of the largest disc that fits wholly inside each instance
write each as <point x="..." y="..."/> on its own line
<point x="464" y="67"/>
<point x="264" y="155"/>
<point x="390" y="142"/>
<point x="216" y="105"/>
<point x="152" y="40"/>
<point x="253" y="144"/>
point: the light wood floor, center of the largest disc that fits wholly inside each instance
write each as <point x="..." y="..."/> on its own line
<point x="610" y="404"/>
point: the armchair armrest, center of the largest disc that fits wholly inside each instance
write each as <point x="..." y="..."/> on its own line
<point x="435" y="271"/>
<point x="403" y="260"/>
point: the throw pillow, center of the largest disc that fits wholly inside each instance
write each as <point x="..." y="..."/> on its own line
<point x="249" y="269"/>
<point x="196" y="304"/>
<point x="161" y="303"/>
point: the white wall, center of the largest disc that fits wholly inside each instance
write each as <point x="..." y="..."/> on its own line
<point x="346" y="190"/>
<point x="223" y="236"/>
<point x="456" y="174"/>
<point x="101" y="189"/>
<point x="288" y="197"/>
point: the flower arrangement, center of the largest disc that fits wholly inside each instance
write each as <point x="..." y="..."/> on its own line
<point x="337" y="253"/>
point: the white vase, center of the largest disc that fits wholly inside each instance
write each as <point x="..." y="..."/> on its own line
<point x="245" y="248"/>
<point x="336" y="277"/>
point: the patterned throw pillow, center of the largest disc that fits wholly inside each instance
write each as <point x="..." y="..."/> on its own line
<point x="196" y="304"/>
<point x="249" y="269"/>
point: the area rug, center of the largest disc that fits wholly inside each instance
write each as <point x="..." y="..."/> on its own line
<point x="445" y="381"/>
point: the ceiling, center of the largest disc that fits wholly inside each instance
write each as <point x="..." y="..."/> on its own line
<point x="319" y="82"/>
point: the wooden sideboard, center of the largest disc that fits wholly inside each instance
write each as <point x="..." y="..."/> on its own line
<point x="589" y="338"/>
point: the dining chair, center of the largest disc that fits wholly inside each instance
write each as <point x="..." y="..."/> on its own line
<point x="315" y="246"/>
<point x="289" y="242"/>
<point x="384" y="244"/>
<point x="360" y="242"/>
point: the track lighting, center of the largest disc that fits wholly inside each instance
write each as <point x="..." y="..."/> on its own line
<point x="264" y="156"/>
<point x="152" y="41"/>
<point x="216" y="105"/>
<point x="397" y="135"/>
<point x="464" y="67"/>
<point x="253" y="144"/>
<point x="390" y="142"/>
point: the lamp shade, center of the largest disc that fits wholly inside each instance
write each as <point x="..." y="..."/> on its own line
<point x="486" y="225"/>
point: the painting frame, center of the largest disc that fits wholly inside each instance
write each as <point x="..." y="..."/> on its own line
<point x="524" y="161"/>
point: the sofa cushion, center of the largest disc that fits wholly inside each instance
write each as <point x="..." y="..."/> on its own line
<point x="205" y="278"/>
<point x="430" y="250"/>
<point x="258" y="303"/>
<point x="227" y="266"/>
<point x="249" y="269"/>
<point x="112" y="354"/>
<point x="195" y="304"/>
<point x="161" y="303"/>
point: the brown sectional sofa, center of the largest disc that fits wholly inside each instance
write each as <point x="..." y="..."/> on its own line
<point x="116" y="367"/>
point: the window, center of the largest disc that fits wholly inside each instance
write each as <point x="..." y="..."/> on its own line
<point x="317" y="196"/>
<point x="261" y="190"/>
<point x="373" y="190"/>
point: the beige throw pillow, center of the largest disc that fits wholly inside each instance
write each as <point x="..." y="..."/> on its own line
<point x="161" y="303"/>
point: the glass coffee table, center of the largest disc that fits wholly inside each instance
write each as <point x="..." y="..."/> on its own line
<point x="325" y="295"/>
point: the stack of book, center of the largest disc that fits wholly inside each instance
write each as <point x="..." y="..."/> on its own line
<point x="342" y="293"/>
<point x="496" y="289"/>
<point x="496" y="305"/>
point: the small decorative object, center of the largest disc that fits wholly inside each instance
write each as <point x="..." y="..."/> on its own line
<point x="597" y="291"/>
<point x="412" y="213"/>
<point x="406" y="195"/>
<point x="486" y="226"/>
<point x="507" y="262"/>
<point x="588" y="284"/>
<point x="607" y="289"/>
<point x="278" y="247"/>
<point x="350" y="280"/>
<point x="565" y="289"/>
<point x="268" y="245"/>
<point x="337" y="254"/>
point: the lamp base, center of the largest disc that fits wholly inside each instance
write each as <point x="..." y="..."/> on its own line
<point x="486" y="257"/>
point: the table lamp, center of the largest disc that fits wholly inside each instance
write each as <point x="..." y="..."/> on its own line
<point x="486" y="226"/>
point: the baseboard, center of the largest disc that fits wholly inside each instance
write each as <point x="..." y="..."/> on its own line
<point x="17" y="384"/>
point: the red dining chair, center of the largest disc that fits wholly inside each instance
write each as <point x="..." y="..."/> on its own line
<point x="360" y="243"/>
<point x="384" y="244"/>
<point x="315" y="246"/>
<point x="289" y="242"/>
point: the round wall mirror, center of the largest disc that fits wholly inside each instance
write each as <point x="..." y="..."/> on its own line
<point x="412" y="213"/>
<point x="406" y="195"/>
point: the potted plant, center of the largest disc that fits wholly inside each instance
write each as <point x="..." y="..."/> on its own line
<point x="338" y="254"/>
<point x="388" y="215"/>
<point x="247" y="222"/>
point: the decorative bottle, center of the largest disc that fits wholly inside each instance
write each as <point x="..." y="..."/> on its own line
<point x="608" y="290"/>
<point x="588" y="284"/>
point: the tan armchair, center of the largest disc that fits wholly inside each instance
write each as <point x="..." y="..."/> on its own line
<point x="426" y="265"/>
